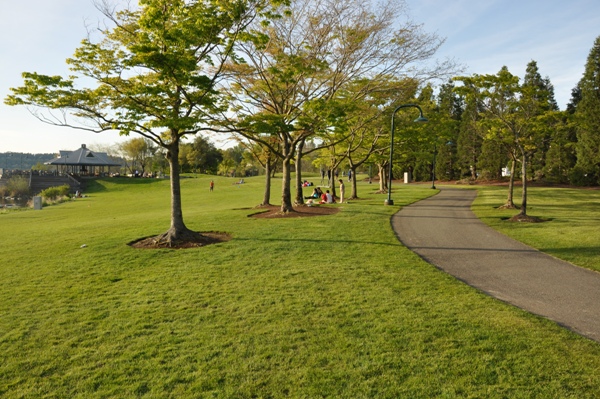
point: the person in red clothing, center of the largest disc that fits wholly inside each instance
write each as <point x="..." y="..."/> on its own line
<point x="326" y="198"/>
<point x="323" y="198"/>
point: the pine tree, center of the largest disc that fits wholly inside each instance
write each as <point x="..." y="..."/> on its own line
<point x="450" y="107"/>
<point x="538" y="96"/>
<point x="587" y="117"/>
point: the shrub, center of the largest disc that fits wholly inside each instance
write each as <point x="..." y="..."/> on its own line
<point x="52" y="193"/>
<point x="579" y="177"/>
<point x="18" y="186"/>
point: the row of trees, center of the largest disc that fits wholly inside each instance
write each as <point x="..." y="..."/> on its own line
<point x="288" y="78"/>
<point x="200" y="156"/>
<point x="486" y="122"/>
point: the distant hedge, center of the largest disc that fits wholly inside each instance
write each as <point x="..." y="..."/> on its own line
<point x="52" y="193"/>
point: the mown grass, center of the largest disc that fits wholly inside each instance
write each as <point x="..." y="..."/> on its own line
<point x="320" y="307"/>
<point x="572" y="229"/>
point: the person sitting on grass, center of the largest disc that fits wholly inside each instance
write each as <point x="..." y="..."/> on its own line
<point x="315" y="194"/>
<point x="326" y="198"/>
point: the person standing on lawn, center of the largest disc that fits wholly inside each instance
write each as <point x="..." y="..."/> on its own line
<point x="341" y="191"/>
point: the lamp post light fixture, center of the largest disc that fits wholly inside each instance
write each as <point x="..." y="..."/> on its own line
<point x="421" y="118"/>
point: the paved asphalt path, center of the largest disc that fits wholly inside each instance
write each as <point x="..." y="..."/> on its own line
<point x="443" y="231"/>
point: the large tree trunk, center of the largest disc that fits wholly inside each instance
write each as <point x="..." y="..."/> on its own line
<point x="178" y="231"/>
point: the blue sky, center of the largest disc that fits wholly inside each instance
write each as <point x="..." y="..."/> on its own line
<point x="483" y="35"/>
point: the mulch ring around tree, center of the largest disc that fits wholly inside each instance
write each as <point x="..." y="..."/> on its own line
<point x="527" y="219"/>
<point x="201" y="239"/>
<point x="274" y="212"/>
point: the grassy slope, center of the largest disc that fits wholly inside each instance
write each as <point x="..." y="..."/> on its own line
<point x="318" y="307"/>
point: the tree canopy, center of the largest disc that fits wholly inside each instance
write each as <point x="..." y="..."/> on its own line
<point x="154" y="72"/>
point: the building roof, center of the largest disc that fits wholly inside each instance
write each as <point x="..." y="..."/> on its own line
<point x="82" y="157"/>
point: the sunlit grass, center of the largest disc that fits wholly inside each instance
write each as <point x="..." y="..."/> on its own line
<point x="572" y="230"/>
<point x="329" y="306"/>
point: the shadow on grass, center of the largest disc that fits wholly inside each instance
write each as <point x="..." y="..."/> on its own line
<point x="132" y="180"/>
<point x="321" y="241"/>
<point x="96" y="186"/>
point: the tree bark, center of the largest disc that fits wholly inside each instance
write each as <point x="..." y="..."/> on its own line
<point x="333" y="182"/>
<point x="286" y="193"/>
<point x="511" y="187"/>
<point x="267" y="194"/>
<point x="299" y="195"/>
<point x="178" y="231"/>
<point x="383" y="187"/>
<point x="524" y="184"/>
<point x="354" y="194"/>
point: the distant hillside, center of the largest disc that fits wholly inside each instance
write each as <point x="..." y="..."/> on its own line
<point x="22" y="161"/>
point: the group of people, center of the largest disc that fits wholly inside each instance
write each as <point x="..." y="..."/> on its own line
<point x="326" y="197"/>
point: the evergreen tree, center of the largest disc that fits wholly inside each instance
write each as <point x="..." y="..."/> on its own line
<point x="450" y="107"/>
<point x="575" y="99"/>
<point x="538" y="97"/>
<point x="587" y="116"/>
<point x="470" y="140"/>
<point x="492" y="159"/>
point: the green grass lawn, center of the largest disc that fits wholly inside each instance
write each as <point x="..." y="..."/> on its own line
<point x="572" y="231"/>
<point x="320" y="307"/>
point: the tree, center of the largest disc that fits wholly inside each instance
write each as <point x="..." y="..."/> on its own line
<point x="561" y="156"/>
<point x="538" y="95"/>
<point x="511" y="114"/>
<point x="204" y="156"/>
<point x="450" y="107"/>
<point x="268" y="160"/>
<point x="496" y="99"/>
<point x="232" y="163"/>
<point x="156" y="72"/>
<point x="587" y="116"/>
<point x="139" y="152"/>
<point x="368" y="126"/>
<point x="290" y="84"/>
<point x="470" y="139"/>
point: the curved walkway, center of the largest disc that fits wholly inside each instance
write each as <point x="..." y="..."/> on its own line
<point x="444" y="231"/>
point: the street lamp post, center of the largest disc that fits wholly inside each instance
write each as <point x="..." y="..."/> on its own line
<point x="421" y="118"/>
<point x="433" y="166"/>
